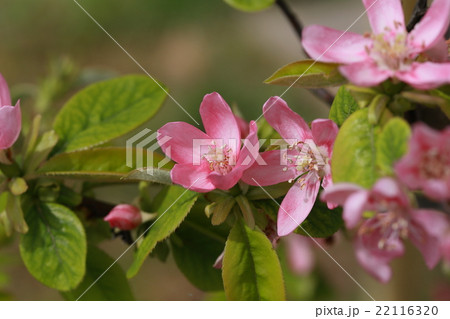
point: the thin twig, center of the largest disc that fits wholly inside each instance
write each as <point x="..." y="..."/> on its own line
<point x="297" y="25"/>
<point x="419" y="11"/>
<point x="291" y="16"/>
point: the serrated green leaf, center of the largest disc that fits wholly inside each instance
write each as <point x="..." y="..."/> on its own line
<point x="307" y="74"/>
<point x="155" y="175"/>
<point x="195" y="247"/>
<point x="173" y="210"/>
<point x="250" y="5"/>
<point x="107" y="110"/>
<point x="251" y="269"/>
<point x="354" y="158"/>
<point x="321" y="221"/>
<point x="112" y="286"/>
<point x="392" y="144"/>
<point x="343" y="106"/>
<point x="54" y="248"/>
<point x="106" y="162"/>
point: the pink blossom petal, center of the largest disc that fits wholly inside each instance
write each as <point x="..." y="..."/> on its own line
<point x="431" y="29"/>
<point x="250" y="148"/>
<point x="436" y="189"/>
<point x="354" y="207"/>
<point x="433" y="222"/>
<point x="176" y="139"/>
<point x="270" y="174"/>
<point x="438" y="52"/>
<point x="339" y="193"/>
<point x="227" y="181"/>
<point x="376" y="265"/>
<point x="426" y="230"/>
<point x="426" y="76"/>
<point x="364" y="73"/>
<point x="371" y="256"/>
<point x="324" y="133"/>
<point x="330" y="45"/>
<point x="10" y="125"/>
<point x="289" y="124"/>
<point x="407" y="172"/>
<point x="299" y="254"/>
<point x="5" y="98"/>
<point x="243" y="126"/>
<point x="296" y="206"/>
<point x="428" y="245"/>
<point x="193" y="177"/>
<point x="387" y="187"/>
<point x="385" y="15"/>
<point x="219" y="121"/>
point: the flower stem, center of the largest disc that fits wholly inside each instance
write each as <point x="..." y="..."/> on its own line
<point x="291" y="16"/>
<point x="297" y="25"/>
<point x="419" y="11"/>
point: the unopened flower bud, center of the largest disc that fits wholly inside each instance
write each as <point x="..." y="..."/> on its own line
<point x="124" y="217"/>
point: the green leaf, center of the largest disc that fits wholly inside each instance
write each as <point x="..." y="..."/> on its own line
<point x="195" y="247"/>
<point x="343" y="106"/>
<point x="173" y="210"/>
<point x="107" y="162"/>
<point x="321" y="222"/>
<point x="112" y="286"/>
<point x="250" y="5"/>
<point x="251" y="269"/>
<point x="160" y="176"/>
<point x="273" y="191"/>
<point x="54" y="248"/>
<point x="107" y="110"/>
<point x="307" y="74"/>
<point x="354" y="158"/>
<point x="392" y="144"/>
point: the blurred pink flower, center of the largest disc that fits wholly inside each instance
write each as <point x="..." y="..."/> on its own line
<point x="307" y="158"/>
<point x="389" y="52"/>
<point x="10" y="117"/>
<point x="445" y="247"/>
<point x="426" y="166"/>
<point x="299" y="254"/>
<point x="212" y="160"/>
<point x="124" y="217"/>
<point x="379" y="238"/>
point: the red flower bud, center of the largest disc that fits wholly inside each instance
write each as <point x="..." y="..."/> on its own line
<point x="124" y="217"/>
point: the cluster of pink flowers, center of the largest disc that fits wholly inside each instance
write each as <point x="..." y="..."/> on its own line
<point x="425" y="167"/>
<point x="228" y="151"/>
<point x="222" y="162"/>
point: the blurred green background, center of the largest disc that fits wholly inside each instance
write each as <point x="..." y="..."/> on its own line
<point x="194" y="47"/>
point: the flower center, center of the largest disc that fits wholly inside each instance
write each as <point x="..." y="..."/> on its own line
<point x="220" y="159"/>
<point x="390" y="51"/>
<point x="435" y="165"/>
<point x="306" y="158"/>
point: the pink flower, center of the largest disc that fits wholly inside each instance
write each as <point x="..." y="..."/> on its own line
<point x="390" y="52"/>
<point x="299" y="254"/>
<point x="426" y="166"/>
<point x="212" y="160"/>
<point x="379" y="238"/>
<point x="445" y="247"/>
<point x="124" y="217"/>
<point x="305" y="162"/>
<point x="10" y="117"/>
